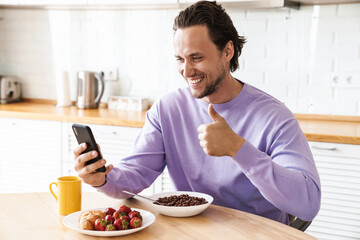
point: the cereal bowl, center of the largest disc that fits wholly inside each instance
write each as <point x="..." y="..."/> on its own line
<point x="182" y="211"/>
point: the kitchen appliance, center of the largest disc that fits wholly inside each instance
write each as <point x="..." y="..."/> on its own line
<point x="90" y="88"/>
<point x="10" y="89"/>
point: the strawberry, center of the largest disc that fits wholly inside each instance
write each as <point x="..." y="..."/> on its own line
<point x="125" y="209"/>
<point x="134" y="213"/>
<point x="126" y="218"/>
<point x="109" y="211"/>
<point x="110" y="227"/>
<point x="135" y="222"/>
<point x="121" y="224"/>
<point x="118" y="214"/>
<point x="109" y="218"/>
<point x="100" y="224"/>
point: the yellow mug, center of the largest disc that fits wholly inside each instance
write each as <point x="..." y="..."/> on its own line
<point x="69" y="194"/>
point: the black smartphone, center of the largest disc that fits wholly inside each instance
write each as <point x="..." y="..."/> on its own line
<point x="84" y="134"/>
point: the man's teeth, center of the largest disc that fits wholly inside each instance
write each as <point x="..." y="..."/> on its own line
<point x="195" y="81"/>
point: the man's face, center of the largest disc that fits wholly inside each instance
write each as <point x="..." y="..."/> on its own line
<point x="199" y="61"/>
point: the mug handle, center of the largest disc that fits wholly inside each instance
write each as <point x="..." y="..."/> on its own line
<point x="52" y="192"/>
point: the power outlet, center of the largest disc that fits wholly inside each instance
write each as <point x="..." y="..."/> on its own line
<point x="110" y="74"/>
<point x="345" y="80"/>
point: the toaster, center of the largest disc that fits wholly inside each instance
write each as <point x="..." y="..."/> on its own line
<point x="10" y="89"/>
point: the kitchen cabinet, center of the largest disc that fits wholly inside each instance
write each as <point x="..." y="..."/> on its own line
<point x="249" y="4"/>
<point x="9" y="2"/>
<point x="30" y="154"/>
<point x="339" y="169"/>
<point x="136" y="2"/>
<point x="160" y="4"/>
<point x="91" y="3"/>
<point x="33" y="153"/>
<point x="52" y="2"/>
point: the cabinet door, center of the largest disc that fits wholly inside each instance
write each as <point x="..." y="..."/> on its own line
<point x="339" y="169"/>
<point x="132" y="2"/>
<point x="30" y="155"/>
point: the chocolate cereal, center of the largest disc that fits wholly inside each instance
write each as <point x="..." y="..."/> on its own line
<point x="183" y="200"/>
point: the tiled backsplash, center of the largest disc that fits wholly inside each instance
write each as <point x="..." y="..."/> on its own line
<point x="308" y="58"/>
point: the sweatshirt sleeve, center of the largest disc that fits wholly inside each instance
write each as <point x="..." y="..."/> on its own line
<point x="285" y="174"/>
<point x="139" y="170"/>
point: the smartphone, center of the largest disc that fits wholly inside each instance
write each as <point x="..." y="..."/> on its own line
<point x="84" y="134"/>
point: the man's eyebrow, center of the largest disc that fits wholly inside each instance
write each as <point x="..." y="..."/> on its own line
<point x="191" y="55"/>
<point x="195" y="54"/>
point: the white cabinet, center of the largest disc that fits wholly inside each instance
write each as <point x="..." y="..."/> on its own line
<point x="339" y="169"/>
<point x="135" y="2"/>
<point x="33" y="153"/>
<point x="52" y="2"/>
<point x="30" y="154"/>
<point x="9" y="2"/>
<point x="86" y="3"/>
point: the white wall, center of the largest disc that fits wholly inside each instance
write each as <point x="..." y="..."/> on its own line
<point x="295" y="55"/>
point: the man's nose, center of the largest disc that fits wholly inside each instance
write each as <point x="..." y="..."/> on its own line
<point x="188" y="69"/>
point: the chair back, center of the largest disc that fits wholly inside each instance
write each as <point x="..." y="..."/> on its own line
<point x="299" y="224"/>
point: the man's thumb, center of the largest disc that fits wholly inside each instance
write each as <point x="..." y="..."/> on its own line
<point x="213" y="114"/>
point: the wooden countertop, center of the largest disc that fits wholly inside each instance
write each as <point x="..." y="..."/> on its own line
<point x="320" y="128"/>
<point x="34" y="216"/>
<point x="49" y="111"/>
<point x="330" y="128"/>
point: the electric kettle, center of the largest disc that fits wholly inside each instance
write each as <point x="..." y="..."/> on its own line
<point x="90" y="88"/>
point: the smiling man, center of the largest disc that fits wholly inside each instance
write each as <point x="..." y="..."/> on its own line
<point x="219" y="135"/>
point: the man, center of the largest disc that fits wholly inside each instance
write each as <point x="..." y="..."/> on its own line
<point x="218" y="136"/>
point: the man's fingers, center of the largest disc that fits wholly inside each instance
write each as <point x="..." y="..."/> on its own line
<point x="79" y="149"/>
<point x="201" y="136"/>
<point x="204" y="127"/>
<point x="213" y="114"/>
<point x="91" y="168"/>
<point x="109" y="168"/>
<point x="83" y="158"/>
<point x="203" y="144"/>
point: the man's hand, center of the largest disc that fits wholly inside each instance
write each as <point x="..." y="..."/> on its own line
<point x="87" y="173"/>
<point x="217" y="138"/>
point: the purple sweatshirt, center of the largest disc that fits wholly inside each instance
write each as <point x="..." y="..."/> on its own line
<point x="273" y="173"/>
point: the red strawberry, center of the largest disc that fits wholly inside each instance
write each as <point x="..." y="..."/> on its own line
<point x="109" y="218"/>
<point x="125" y="209"/>
<point x="126" y="218"/>
<point x="109" y="211"/>
<point x="121" y="224"/>
<point x="134" y="213"/>
<point x="100" y="224"/>
<point x="135" y="222"/>
<point x="118" y="214"/>
<point x="110" y="227"/>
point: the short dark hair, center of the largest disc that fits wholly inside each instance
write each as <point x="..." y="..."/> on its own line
<point x="219" y="24"/>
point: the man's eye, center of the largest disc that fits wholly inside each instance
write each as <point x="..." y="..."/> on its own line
<point x="196" y="58"/>
<point x="179" y="59"/>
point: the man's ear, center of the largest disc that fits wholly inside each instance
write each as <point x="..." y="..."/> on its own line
<point x="229" y="50"/>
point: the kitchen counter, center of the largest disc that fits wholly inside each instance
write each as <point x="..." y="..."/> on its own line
<point x="320" y="128"/>
<point x="49" y="111"/>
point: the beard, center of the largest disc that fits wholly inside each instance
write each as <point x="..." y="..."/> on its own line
<point x="211" y="87"/>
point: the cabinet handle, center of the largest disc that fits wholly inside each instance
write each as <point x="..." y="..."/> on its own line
<point x="324" y="148"/>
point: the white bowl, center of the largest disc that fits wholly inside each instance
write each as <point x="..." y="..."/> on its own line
<point x="181" y="211"/>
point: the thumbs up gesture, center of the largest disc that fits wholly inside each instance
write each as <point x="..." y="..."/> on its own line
<point x="217" y="138"/>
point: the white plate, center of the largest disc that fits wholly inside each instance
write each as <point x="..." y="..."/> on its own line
<point x="182" y="211"/>
<point x="71" y="221"/>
